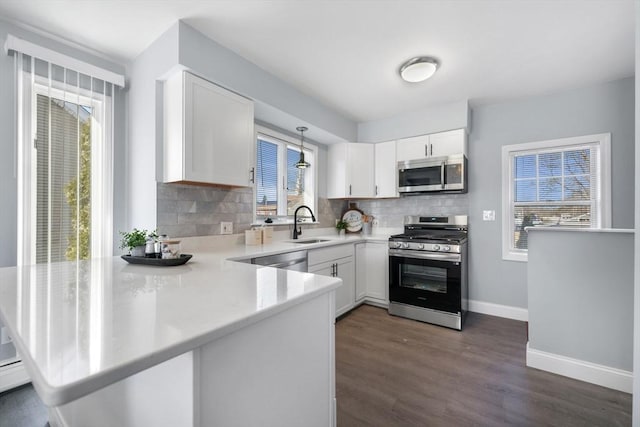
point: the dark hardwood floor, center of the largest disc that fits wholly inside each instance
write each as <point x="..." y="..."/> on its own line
<point x="392" y="371"/>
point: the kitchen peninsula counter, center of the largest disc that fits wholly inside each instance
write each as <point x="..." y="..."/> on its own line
<point x="206" y="343"/>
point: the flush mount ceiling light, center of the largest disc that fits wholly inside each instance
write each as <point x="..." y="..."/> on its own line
<point x="301" y="164"/>
<point x="418" y="69"/>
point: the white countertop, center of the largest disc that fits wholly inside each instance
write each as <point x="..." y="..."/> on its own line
<point x="237" y="252"/>
<point x="82" y="326"/>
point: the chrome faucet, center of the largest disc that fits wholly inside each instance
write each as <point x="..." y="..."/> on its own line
<point x="297" y="232"/>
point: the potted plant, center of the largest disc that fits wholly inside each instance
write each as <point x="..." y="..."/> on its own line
<point x="135" y="241"/>
<point x="341" y="226"/>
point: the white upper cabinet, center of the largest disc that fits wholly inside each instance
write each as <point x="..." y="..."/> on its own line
<point x="434" y="145"/>
<point x="412" y="148"/>
<point x="448" y="143"/>
<point x="386" y="170"/>
<point x="350" y="171"/>
<point x="208" y="133"/>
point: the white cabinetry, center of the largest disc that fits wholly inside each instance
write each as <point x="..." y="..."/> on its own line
<point x="372" y="272"/>
<point x="350" y="171"/>
<point x="434" y="145"/>
<point x="336" y="261"/>
<point x="208" y="133"/>
<point x="386" y="170"/>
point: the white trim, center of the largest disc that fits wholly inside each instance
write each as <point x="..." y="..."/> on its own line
<point x="16" y="44"/>
<point x="12" y="376"/>
<point x="602" y="141"/>
<point x="593" y="373"/>
<point x="506" y="311"/>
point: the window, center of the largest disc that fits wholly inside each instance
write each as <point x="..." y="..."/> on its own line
<point x="280" y="187"/>
<point x="64" y="163"/>
<point x="557" y="183"/>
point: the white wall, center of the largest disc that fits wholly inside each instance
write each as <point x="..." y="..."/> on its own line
<point x="607" y="107"/>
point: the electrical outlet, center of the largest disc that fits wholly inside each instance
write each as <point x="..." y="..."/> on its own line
<point x="488" y="215"/>
<point x="375" y="222"/>
<point x="4" y="336"/>
<point x="226" y="227"/>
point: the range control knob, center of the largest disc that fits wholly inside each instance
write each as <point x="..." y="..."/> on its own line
<point x="446" y="248"/>
<point x="405" y="245"/>
<point x="420" y="245"/>
<point x="436" y="247"/>
<point x="396" y="244"/>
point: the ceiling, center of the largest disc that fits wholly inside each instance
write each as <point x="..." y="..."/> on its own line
<point x="346" y="54"/>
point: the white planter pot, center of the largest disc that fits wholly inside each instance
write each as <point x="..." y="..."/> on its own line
<point x="138" y="251"/>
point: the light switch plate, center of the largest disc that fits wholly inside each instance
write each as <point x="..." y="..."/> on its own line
<point x="488" y="215"/>
<point x="226" y="227"/>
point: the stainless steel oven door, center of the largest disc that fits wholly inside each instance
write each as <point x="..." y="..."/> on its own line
<point x="429" y="280"/>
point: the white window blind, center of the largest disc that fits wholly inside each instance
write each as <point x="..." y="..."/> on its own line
<point x="559" y="183"/>
<point x="65" y="162"/>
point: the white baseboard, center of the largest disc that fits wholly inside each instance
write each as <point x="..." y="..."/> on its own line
<point x="507" y="311"/>
<point x="593" y="373"/>
<point x="12" y="376"/>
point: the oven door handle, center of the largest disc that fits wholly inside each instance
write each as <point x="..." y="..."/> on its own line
<point x="436" y="256"/>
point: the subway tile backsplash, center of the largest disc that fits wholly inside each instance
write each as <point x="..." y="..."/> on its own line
<point x="190" y="210"/>
<point x="391" y="212"/>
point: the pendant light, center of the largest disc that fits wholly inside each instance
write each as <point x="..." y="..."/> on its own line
<point x="301" y="164"/>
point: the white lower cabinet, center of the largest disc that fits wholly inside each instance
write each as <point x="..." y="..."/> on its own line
<point x="372" y="272"/>
<point x="337" y="261"/>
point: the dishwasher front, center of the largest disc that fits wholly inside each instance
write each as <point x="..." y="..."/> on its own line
<point x="296" y="261"/>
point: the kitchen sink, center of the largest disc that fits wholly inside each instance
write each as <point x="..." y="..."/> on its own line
<point x="308" y="241"/>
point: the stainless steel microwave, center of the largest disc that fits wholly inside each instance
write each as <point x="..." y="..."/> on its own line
<point x="448" y="174"/>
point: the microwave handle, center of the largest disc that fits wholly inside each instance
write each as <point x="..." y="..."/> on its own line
<point x="442" y="173"/>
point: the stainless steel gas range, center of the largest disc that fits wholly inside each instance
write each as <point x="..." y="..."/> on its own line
<point x="428" y="270"/>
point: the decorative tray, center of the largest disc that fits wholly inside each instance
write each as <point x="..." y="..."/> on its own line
<point x="168" y="262"/>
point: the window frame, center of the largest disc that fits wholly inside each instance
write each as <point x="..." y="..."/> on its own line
<point x="603" y="202"/>
<point x="283" y="142"/>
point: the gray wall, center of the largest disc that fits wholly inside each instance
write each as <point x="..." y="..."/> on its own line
<point x="421" y="122"/>
<point x="145" y="105"/>
<point x="636" y="258"/>
<point x="581" y="295"/>
<point x="8" y="182"/>
<point x="601" y="108"/>
<point x="278" y="101"/>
